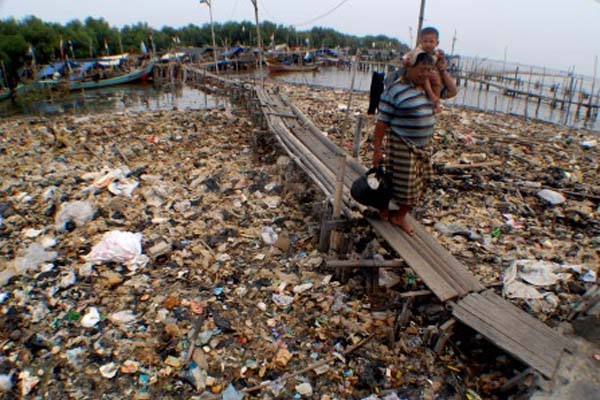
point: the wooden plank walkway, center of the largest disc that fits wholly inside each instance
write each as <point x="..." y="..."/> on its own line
<point x="505" y="325"/>
<point x="513" y="330"/>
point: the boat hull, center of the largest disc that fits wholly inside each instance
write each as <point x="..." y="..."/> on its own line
<point x="137" y="75"/>
<point x="281" y="68"/>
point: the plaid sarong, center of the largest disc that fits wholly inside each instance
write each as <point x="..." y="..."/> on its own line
<point x="410" y="168"/>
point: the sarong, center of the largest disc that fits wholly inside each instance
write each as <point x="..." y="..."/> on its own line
<point x="410" y="168"/>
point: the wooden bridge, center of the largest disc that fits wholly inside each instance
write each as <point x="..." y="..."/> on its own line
<point x="333" y="171"/>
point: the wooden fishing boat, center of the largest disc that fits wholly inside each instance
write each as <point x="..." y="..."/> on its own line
<point x="281" y="67"/>
<point x="136" y="75"/>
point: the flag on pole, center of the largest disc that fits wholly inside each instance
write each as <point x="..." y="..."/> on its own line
<point x="207" y="2"/>
<point x="106" y="46"/>
<point x="143" y="47"/>
<point x="62" y="50"/>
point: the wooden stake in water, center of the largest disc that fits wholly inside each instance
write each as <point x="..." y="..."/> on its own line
<point x="355" y="66"/>
<point x="569" y="97"/>
<point x="589" y="109"/>
<point x="537" y="109"/>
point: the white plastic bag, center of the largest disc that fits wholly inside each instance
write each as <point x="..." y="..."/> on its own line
<point x="121" y="247"/>
<point x="79" y="212"/>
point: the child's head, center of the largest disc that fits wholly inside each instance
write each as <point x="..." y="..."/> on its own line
<point x="429" y="39"/>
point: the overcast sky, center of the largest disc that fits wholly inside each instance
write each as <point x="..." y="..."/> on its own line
<point x="551" y="33"/>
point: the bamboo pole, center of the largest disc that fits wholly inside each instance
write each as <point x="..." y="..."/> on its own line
<point x="537" y="109"/>
<point x="212" y="32"/>
<point x="570" y="97"/>
<point x="258" y="37"/>
<point x="589" y="110"/>
<point x="357" y="138"/>
<point x="336" y="236"/>
<point x="352" y="81"/>
<point x="420" y="25"/>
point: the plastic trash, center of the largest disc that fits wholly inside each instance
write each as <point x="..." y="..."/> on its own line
<point x="28" y="382"/>
<point x="78" y="212"/>
<point x="90" y="319"/>
<point x="522" y="275"/>
<point x="551" y="197"/>
<point x="282" y="301"/>
<point x="109" y="177"/>
<point x="35" y="255"/>
<point x="123" y="187"/>
<point x="268" y="235"/>
<point x="305" y="389"/>
<point x="232" y="394"/>
<point x="122" y="317"/>
<point x="121" y="247"/>
<point x="196" y="376"/>
<point x="6" y="383"/>
<point x="109" y="370"/>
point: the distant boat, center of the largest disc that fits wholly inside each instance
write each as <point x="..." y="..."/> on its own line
<point x="281" y="67"/>
<point x="136" y="75"/>
<point x="87" y="82"/>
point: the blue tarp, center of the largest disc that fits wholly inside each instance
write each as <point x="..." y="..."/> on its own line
<point x="232" y="52"/>
<point x="51" y="69"/>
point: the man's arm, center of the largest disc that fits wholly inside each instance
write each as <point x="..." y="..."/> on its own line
<point x="380" y="131"/>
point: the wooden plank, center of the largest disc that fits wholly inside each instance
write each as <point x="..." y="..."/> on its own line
<point x="437" y="263"/>
<point x="431" y="278"/>
<point x="434" y="262"/>
<point x="487" y="321"/>
<point x="502" y="341"/>
<point x="470" y="282"/>
<point x="530" y="321"/>
<point x="508" y="322"/>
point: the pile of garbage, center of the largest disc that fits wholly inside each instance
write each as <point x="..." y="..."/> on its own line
<point x="154" y="255"/>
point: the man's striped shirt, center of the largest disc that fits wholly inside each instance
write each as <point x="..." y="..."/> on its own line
<point x="408" y="112"/>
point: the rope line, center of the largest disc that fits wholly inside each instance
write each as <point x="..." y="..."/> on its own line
<point x="341" y="3"/>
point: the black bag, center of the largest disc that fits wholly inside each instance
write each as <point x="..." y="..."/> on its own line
<point x="379" y="198"/>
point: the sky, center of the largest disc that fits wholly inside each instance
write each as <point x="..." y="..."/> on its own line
<point x="559" y="34"/>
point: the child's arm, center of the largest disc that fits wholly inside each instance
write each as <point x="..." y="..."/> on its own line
<point x="446" y="78"/>
<point x="433" y="95"/>
<point x="430" y="90"/>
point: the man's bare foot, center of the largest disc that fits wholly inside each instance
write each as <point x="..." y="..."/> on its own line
<point x="400" y="220"/>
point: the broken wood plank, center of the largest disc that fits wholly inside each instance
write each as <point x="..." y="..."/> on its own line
<point x="442" y="289"/>
<point x="503" y="329"/>
<point x="473" y="165"/>
<point x="529" y="320"/>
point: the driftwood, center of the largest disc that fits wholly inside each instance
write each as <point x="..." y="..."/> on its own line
<point x="472" y="166"/>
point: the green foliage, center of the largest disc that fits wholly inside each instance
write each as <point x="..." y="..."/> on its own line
<point x="86" y="39"/>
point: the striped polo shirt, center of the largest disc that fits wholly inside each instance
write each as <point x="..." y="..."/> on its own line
<point x="408" y="112"/>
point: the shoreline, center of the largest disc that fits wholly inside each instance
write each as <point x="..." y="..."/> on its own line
<point x="271" y="306"/>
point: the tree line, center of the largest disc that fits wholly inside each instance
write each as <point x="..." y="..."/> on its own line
<point x="33" y="40"/>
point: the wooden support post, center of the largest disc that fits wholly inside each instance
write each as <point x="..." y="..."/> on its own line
<point x="336" y="235"/>
<point x="446" y="331"/>
<point x="372" y="280"/>
<point x="516" y="380"/>
<point x="403" y="317"/>
<point x="357" y="138"/>
<point x="569" y="97"/>
<point x="588" y="114"/>
<point x="324" y="236"/>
